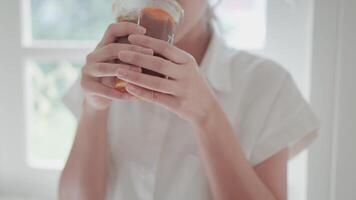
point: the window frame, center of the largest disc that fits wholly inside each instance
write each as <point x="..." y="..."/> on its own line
<point x="17" y="177"/>
<point x="331" y="164"/>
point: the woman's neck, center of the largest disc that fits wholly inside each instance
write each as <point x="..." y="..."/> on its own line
<point x="197" y="40"/>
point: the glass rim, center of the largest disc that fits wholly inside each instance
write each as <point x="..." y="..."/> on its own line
<point x="172" y="7"/>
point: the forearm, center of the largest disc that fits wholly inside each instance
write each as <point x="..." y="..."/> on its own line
<point x="84" y="175"/>
<point x="231" y="177"/>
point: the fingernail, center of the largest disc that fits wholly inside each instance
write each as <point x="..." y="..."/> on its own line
<point x="120" y="84"/>
<point x="136" y="69"/>
<point x="123" y="54"/>
<point x="131" y="37"/>
<point x="141" y="29"/>
<point x="147" y="51"/>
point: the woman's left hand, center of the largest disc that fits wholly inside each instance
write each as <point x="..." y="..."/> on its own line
<point x="185" y="93"/>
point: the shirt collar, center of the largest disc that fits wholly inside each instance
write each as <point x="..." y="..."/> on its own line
<point x="215" y="64"/>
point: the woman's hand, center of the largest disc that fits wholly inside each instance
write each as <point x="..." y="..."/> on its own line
<point x="185" y="93"/>
<point x="99" y="70"/>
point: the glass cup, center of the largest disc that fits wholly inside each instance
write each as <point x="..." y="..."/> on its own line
<point x="159" y="17"/>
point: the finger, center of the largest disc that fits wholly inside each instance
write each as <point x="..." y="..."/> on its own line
<point x="151" y="62"/>
<point x="110" y="51"/>
<point x="161" y="47"/>
<point x="148" y="81"/>
<point x="106" y="69"/>
<point x="120" y="29"/>
<point x="152" y="96"/>
<point x="95" y="88"/>
<point x="108" y="81"/>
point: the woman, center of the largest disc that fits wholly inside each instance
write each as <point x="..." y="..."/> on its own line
<point x="223" y="127"/>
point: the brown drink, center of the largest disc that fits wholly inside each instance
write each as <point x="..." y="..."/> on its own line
<point x="133" y="18"/>
<point x="160" y="18"/>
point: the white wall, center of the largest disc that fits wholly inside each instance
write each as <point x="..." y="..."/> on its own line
<point x="345" y="175"/>
<point x="12" y="117"/>
<point x="288" y="37"/>
<point x="332" y="161"/>
<point x="15" y="175"/>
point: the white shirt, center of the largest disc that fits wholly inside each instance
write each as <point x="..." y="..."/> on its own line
<point x="153" y="153"/>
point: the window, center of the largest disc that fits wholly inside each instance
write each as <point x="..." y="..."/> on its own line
<point x="58" y="26"/>
<point x="69" y="20"/>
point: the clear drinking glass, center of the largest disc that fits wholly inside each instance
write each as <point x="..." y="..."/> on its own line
<point x="159" y="17"/>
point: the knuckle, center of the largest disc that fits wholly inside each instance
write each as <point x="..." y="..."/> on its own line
<point x="83" y="85"/>
<point x="132" y="68"/>
<point x="136" y="48"/>
<point x="89" y="57"/>
<point x="107" y="82"/>
<point x="136" y="58"/>
<point x="124" y="24"/>
<point x="127" y="27"/>
<point x="111" y="28"/>
<point x="131" y="27"/>
<point x="135" y="68"/>
<point x="123" y="66"/>
<point x="121" y="28"/>
<point x="160" y="65"/>
<point x="111" y="48"/>
<point x="164" y="47"/>
<point x="144" y="40"/>
<point x="100" y="67"/>
<point x="86" y="71"/>
<point x="139" y="69"/>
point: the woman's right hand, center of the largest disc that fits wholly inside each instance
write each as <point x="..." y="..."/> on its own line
<point x="100" y="69"/>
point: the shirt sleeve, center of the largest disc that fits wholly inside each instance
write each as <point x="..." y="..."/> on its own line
<point x="290" y="123"/>
<point x="73" y="99"/>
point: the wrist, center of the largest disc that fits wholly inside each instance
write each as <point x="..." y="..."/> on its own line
<point x="205" y="120"/>
<point x="93" y="109"/>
